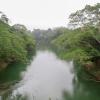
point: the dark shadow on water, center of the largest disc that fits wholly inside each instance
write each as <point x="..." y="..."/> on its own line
<point x="9" y="77"/>
<point x="12" y="72"/>
<point x="83" y="89"/>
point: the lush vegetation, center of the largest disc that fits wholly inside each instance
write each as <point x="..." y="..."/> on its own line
<point x="90" y="15"/>
<point x="81" y="43"/>
<point x="16" y="43"/>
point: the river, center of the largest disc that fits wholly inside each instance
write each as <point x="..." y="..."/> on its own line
<point x="46" y="78"/>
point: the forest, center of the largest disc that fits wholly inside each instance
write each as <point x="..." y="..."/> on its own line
<point x="16" y="43"/>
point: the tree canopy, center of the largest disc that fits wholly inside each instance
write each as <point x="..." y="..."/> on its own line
<point x="90" y="15"/>
<point x="83" y="42"/>
<point x="15" y="43"/>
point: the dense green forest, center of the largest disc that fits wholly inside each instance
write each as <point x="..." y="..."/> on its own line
<point x="81" y="43"/>
<point x="16" y="43"/>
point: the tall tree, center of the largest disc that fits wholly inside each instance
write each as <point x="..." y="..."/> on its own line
<point x="90" y="15"/>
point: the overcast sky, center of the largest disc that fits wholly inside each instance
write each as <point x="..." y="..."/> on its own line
<point x="42" y="13"/>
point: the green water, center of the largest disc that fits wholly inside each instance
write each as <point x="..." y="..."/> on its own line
<point x="46" y="78"/>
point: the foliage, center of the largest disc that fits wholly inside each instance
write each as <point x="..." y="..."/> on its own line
<point x="14" y="44"/>
<point x="79" y="44"/>
<point x="90" y="15"/>
<point x="4" y="18"/>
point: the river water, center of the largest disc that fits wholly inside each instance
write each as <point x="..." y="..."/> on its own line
<point x="46" y="78"/>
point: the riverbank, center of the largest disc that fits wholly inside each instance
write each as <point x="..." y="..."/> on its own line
<point x="16" y="44"/>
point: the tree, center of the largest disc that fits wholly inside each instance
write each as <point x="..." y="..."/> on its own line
<point x="19" y="27"/>
<point x="4" y="18"/>
<point x="15" y="46"/>
<point x="90" y="15"/>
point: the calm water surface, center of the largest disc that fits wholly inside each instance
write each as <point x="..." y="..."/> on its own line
<point x="46" y="78"/>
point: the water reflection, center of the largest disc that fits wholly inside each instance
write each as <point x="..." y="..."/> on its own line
<point x="45" y="79"/>
<point x="83" y="88"/>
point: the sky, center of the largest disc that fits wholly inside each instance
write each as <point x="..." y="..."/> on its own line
<point x="42" y="14"/>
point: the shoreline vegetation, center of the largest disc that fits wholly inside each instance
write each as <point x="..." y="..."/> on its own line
<point x="16" y="43"/>
<point x="79" y="42"/>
